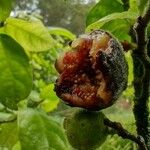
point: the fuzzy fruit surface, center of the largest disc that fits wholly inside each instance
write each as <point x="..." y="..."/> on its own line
<point x="85" y="129"/>
<point x="93" y="74"/>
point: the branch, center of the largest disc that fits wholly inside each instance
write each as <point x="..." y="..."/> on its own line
<point x="125" y="134"/>
<point x="141" y="63"/>
<point x="140" y="29"/>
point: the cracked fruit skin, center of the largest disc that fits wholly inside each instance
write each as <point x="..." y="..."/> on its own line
<point x="93" y="74"/>
<point x="85" y="130"/>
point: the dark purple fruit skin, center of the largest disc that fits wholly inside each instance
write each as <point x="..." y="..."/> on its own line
<point x="112" y="65"/>
<point x="115" y="66"/>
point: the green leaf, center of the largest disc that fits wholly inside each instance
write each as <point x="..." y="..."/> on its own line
<point x="37" y="131"/>
<point x="48" y="92"/>
<point x="31" y="35"/>
<point x="103" y="8"/>
<point x="5" y="9"/>
<point x="121" y="32"/>
<point x="8" y="135"/>
<point x="17" y="146"/>
<point x="130" y="65"/>
<point x="6" y="117"/>
<point x="49" y="96"/>
<point x="142" y="4"/>
<point x="101" y="22"/>
<point x="15" y="77"/>
<point x="2" y="108"/>
<point x="129" y="92"/>
<point x="33" y="99"/>
<point x="62" y="32"/>
<point x="133" y="6"/>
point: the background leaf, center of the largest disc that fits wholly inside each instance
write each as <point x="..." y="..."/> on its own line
<point x="31" y="35"/>
<point x="103" y="8"/>
<point x="15" y="78"/>
<point x="8" y="135"/>
<point x="116" y="23"/>
<point x="121" y="32"/>
<point x="17" y="146"/>
<point x="133" y="6"/>
<point x="7" y="117"/>
<point x="39" y="132"/>
<point x="49" y="96"/>
<point x="141" y="5"/>
<point x="129" y="92"/>
<point x="124" y="15"/>
<point x="5" y="9"/>
<point x="61" y="32"/>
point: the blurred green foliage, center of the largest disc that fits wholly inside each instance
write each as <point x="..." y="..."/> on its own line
<point x="58" y="13"/>
<point x="44" y="73"/>
<point x="43" y="46"/>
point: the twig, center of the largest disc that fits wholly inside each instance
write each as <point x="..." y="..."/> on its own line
<point x="125" y="134"/>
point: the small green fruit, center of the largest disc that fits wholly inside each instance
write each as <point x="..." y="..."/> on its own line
<point x="85" y="129"/>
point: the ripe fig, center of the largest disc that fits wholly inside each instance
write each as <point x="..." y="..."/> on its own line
<point x="85" y="130"/>
<point x="93" y="73"/>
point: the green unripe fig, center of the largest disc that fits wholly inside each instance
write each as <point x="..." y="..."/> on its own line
<point x="85" y="130"/>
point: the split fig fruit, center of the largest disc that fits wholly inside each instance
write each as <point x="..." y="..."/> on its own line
<point x="93" y="73"/>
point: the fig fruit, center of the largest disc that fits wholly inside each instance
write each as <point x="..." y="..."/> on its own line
<point x="85" y="130"/>
<point x="93" y="73"/>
